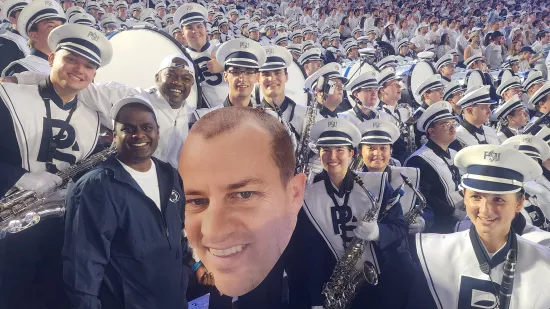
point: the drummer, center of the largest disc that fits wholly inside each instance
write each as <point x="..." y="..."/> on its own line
<point x="491" y="203"/>
<point x="311" y="61"/>
<point x="328" y="85"/>
<point x="446" y="68"/>
<point x="273" y="79"/>
<point x="192" y="19"/>
<point x="512" y="116"/>
<point x="454" y="91"/>
<point x="476" y="109"/>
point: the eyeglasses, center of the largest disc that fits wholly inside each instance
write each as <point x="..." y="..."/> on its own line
<point x="447" y="125"/>
<point x="241" y="72"/>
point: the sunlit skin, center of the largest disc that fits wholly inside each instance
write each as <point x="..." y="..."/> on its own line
<point x="122" y="13"/>
<point x="376" y="157"/>
<point x="241" y="84"/>
<point x="390" y="94"/>
<point x="508" y="94"/>
<point x="367" y="96"/>
<point x="273" y="84"/>
<point x="70" y="73"/>
<point x="447" y="70"/>
<point x="492" y="215"/>
<point x="335" y="161"/>
<point x="534" y="88"/>
<point x="195" y="35"/>
<point x="453" y="99"/>
<point x="477" y="114"/>
<point x="219" y="205"/>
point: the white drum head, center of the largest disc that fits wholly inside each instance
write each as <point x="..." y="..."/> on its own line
<point x="137" y="54"/>
<point x="474" y="78"/>
<point x="294" y="88"/>
<point x="417" y="75"/>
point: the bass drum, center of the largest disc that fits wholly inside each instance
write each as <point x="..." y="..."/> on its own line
<point x="352" y="70"/>
<point x="417" y="74"/>
<point x="502" y="75"/>
<point x="474" y="78"/>
<point x="135" y="64"/>
<point x="293" y="88"/>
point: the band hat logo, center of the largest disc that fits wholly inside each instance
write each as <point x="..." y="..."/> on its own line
<point x="492" y="156"/>
<point x="376" y="125"/>
<point x="93" y="36"/>
<point x="332" y="124"/>
<point x="244" y="45"/>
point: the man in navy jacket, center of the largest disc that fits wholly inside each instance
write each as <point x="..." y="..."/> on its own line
<point x="123" y="233"/>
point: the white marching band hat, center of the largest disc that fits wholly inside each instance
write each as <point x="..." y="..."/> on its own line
<point x="365" y="80"/>
<point x="312" y="54"/>
<point x="328" y="71"/>
<point x="508" y="107"/>
<point x="476" y="95"/>
<point x="468" y="62"/>
<point x="129" y="100"/>
<point x="378" y="132"/>
<point x="430" y="83"/>
<point x="385" y="75"/>
<point x="295" y="48"/>
<point x="241" y="52"/>
<point x="11" y="6"/>
<point x="531" y="145"/>
<point x="177" y="61"/>
<point x="444" y="60"/>
<point x="426" y="55"/>
<point x="278" y="58"/>
<point x="334" y="132"/>
<point x="82" y="40"/>
<point x="190" y="13"/>
<point x="435" y="112"/>
<point x="402" y="43"/>
<point x="74" y="10"/>
<point x="37" y="11"/>
<point x="82" y="19"/>
<point x="512" y="82"/>
<point x="534" y="77"/>
<point x="452" y="88"/>
<point x="495" y="168"/>
<point x="540" y="94"/>
<point x="388" y="61"/>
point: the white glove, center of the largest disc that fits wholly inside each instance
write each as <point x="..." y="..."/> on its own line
<point x="41" y="183"/>
<point x="417" y="226"/>
<point x="368" y="231"/>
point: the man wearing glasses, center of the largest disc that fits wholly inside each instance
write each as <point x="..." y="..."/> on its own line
<point x="439" y="177"/>
<point x="241" y="59"/>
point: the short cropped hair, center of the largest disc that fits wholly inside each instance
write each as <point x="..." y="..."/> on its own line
<point x="227" y="119"/>
<point x="135" y="106"/>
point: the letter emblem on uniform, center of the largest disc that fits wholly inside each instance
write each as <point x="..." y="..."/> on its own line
<point x="477" y="293"/>
<point x="492" y="156"/>
<point x="341" y="216"/>
<point x="174" y="196"/>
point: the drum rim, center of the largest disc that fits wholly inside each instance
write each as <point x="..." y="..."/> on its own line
<point x="180" y="47"/>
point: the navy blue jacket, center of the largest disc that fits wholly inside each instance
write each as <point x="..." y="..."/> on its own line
<point x="120" y="250"/>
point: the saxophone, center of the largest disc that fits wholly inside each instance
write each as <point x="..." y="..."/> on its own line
<point x="406" y="128"/>
<point x="410" y="217"/>
<point x="22" y="209"/>
<point x="345" y="280"/>
<point x="304" y="146"/>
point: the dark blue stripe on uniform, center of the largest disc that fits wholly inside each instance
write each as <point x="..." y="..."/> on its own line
<point x="367" y="83"/>
<point x="96" y="53"/>
<point x="489" y="186"/>
<point x="39" y="13"/>
<point x="482" y="99"/>
<point x="377" y="133"/>
<point x="335" y="134"/>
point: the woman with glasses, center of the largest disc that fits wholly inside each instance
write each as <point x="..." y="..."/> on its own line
<point x="440" y="177"/>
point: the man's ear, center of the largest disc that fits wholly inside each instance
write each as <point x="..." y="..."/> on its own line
<point x="51" y="58"/>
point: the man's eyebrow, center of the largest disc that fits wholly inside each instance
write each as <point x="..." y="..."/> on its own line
<point x="193" y="192"/>
<point x="244" y="183"/>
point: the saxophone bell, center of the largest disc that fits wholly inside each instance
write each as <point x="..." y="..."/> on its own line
<point x="368" y="274"/>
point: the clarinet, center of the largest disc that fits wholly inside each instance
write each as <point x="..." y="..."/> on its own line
<point x="507" y="285"/>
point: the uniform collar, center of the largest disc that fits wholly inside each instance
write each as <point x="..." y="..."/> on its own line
<point x="519" y="223"/>
<point x="471" y="128"/>
<point x="445" y="78"/>
<point x="361" y="115"/>
<point x="487" y="263"/>
<point x="228" y="103"/>
<point x="438" y="150"/>
<point x="286" y="103"/>
<point x="37" y="53"/>
<point x="347" y="184"/>
<point x="47" y="91"/>
<point x="386" y="106"/>
<point x="327" y="113"/>
<point x="205" y="47"/>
